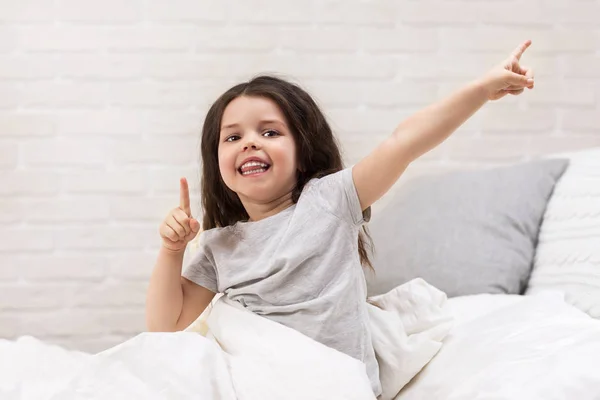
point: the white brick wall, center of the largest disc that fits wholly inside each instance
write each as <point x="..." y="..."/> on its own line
<point x="101" y="104"/>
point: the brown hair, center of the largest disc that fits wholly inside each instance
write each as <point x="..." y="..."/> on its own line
<point x="318" y="153"/>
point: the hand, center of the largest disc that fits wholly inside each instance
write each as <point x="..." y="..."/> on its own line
<point x="179" y="228"/>
<point x="510" y="77"/>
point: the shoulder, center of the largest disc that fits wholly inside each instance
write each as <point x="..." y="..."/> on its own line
<point x="206" y="238"/>
<point x="337" y="193"/>
<point x="339" y="178"/>
<point x="331" y="187"/>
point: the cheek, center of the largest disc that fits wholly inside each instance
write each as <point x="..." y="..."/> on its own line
<point x="226" y="163"/>
<point x="286" y="155"/>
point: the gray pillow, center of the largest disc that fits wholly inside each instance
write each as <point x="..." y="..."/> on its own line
<point x="464" y="232"/>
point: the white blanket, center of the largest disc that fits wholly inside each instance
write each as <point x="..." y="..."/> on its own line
<point x="511" y="348"/>
<point x="231" y="353"/>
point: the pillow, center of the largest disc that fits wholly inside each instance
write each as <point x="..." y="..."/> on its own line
<point x="465" y="232"/>
<point x="568" y="252"/>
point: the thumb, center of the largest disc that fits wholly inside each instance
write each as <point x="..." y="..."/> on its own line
<point x="518" y="80"/>
<point x="194" y="225"/>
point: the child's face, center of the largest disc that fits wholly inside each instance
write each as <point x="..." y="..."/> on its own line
<point x="254" y="127"/>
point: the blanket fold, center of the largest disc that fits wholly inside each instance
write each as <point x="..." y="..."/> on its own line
<point x="231" y="353"/>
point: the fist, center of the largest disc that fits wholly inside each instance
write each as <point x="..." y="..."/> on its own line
<point x="179" y="228"/>
<point x="510" y="77"/>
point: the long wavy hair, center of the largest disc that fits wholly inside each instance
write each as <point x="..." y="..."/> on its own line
<point x="318" y="153"/>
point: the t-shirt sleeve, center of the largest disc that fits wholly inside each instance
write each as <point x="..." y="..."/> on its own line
<point x="201" y="271"/>
<point x="338" y="194"/>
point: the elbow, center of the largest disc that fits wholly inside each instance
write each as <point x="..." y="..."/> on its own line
<point x="154" y="324"/>
<point x="151" y="325"/>
<point x="157" y="327"/>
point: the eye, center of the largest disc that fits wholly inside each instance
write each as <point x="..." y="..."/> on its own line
<point x="271" y="133"/>
<point x="232" y="138"/>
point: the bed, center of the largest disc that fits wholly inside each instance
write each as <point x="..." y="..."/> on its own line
<point x="487" y="286"/>
<point x="517" y="250"/>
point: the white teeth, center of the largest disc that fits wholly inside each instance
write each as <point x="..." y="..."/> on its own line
<point x="254" y="164"/>
<point x="254" y="171"/>
<point x="253" y="167"/>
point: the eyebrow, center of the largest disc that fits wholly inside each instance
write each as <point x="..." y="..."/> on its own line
<point x="264" y="121"/>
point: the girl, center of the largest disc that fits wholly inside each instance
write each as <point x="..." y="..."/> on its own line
<point x="283" y="220"/>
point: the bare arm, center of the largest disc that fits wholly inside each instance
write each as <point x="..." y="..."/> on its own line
<point x="375" y="174"/>
<point x="174" y="302"/>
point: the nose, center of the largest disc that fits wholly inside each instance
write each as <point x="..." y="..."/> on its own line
<point x="250" y="143"/>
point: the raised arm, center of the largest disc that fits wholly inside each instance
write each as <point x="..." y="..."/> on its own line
<point x="377" y="172"/>
<point x="174" y="302"/>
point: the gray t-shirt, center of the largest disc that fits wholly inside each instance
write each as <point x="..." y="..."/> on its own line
<point x="299" y="267"/>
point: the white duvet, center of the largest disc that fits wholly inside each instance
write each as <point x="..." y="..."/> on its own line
<point x="514" y="347"/>
<point x="501" y="347"/>
<point x="234" y="354"/>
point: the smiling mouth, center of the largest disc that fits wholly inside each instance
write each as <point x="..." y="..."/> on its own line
<point x="253" y="168"/>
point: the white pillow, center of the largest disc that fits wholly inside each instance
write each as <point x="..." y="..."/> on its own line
<point x="567" y="257"/>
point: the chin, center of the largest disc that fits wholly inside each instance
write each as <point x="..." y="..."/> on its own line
<point x="258" y="189"/>
<point x="258" y="194"/>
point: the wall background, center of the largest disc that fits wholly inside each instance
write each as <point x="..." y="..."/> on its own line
<point x="101" y="105"/>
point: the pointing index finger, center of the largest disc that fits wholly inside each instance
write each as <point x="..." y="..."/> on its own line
<point x="518" y="52"/>
<point x="184" y="196"/>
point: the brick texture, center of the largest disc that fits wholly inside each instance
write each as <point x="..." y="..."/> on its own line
<point x="101" y="105"/>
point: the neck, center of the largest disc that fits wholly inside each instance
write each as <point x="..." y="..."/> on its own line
<point x="257" y="211"/>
